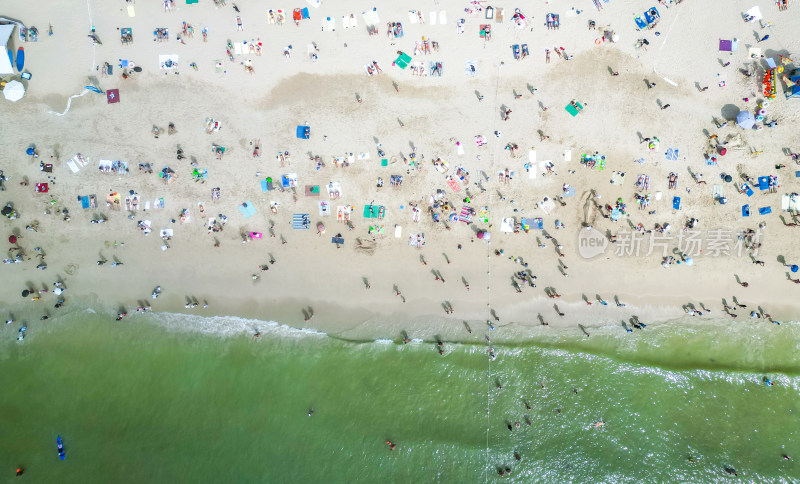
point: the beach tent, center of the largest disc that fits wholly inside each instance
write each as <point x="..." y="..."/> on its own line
<point x="745" y="119"/>
<point x="14" y="91"/>
<point x="5" y="61"/>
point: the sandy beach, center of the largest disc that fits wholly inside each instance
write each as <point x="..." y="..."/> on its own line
<point x="376" y="284"/>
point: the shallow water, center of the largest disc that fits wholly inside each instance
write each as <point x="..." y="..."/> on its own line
<point x="173" y="398"/>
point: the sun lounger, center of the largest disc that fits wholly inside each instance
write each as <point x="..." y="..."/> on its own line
<point x="247" y="209"/>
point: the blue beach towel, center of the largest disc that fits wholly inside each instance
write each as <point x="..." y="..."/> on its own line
<point x="763" y="182"/>
<point x="570" y="192"/>
<point x="301" y="221"/>
<point x="745" y="210"/>
<point x="676" y="203"/>
<point x="266" y="185"/>
<point x="84" y="202"/>
<point x="247" y="209"/>
<point x="303" y="132"/>
<point x="672" y="153"/>
<point x="764" y="210"/>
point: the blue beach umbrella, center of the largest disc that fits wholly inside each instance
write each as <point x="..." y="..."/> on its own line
<point x="794" y="268"/>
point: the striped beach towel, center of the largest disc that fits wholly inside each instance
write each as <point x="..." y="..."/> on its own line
<point x="301" y="221"/>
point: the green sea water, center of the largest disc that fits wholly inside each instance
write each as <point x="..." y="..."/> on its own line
<point x="172" y="398"/>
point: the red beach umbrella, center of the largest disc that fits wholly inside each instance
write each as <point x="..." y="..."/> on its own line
<point x="12" y="239"/>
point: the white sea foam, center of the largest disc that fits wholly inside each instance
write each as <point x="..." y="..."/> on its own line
<point x="230" y="326"/>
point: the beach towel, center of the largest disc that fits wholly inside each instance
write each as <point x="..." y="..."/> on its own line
<point x="301" y="221"/>
<point x="112" y="96"/>
<point x="532" y="224"/>
<point x="718" y="192"/>
<point x="532" y="170"/>
<point x="371" y="17"/>
<point x="238" y="48"/>
<point x="402" y="60"/>
<point x="672" y="153"/>
<point x="615" y="214"/>
<point x="398" y="231"/>
<point x="676" y="203"/>
<point x="471" y="68"/>
<point x="131" y="11"/>
<point x="324" y="209"/>
<point x="507" y="225"/>
<point x="146" y="205"/>
<point x="567" y="155"/>
<point x="84" y="202"/>
<point x="158" y="203"/>
<point x="790" y="202"/>
<point x="412" y="17"/>
<point x="443" y="17"/>
<point x="764" y="210"/>
<point x="168" y="61"/>
<point x="329" y="24"/>
<point x="465" y="215"/>
<point x="304" y="13"/>
<point x="337" y="240"/>
<point x="266" y="185"/>
<point x="289" y="180"/>
<point x="547" y="205"/>
<point x="373" y="211"/>
<point x="745" y="210"/>
<point x="763" y="182"/>
<point x="570" y="192"/>
<point x="453" y="184"/>
<point x="314" y="3"/>
<point x="303" y="132"/>
<point x="460" y="149"/>
<point x="433" y="18"/>
<point x="362" y="156"/>
<point x="247" y="209"/>
<point x="574" y="110"/>
<point x="72" y="166"/>
<point x="334" y="190"/>
<point x="312" y="190"/>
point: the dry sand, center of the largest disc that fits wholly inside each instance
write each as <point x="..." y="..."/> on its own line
<point x="309" y="270"/>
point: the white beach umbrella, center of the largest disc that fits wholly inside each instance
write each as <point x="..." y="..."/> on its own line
<point x="14" y="91"/>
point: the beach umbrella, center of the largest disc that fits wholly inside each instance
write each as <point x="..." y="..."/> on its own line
<point x="25" y="293"/>
<point x="794" y="268"/>
<point x="30" y="151"/>
<point x="745" y="120"/>
<point x="320" y="228"/>
<point x="723" y="151"/>
<point x="14" y="91"/>
<point x="728" y="178"/>
<point x="12" y="239"/>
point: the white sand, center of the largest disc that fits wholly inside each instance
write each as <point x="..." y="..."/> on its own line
<point x="435" y="111"/>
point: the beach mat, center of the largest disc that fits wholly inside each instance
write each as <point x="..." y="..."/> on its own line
<point x="312" y="190"/>
<point x="247" y="209"/>
<point x="745" y="210"/>
<point x="763" y="182"/>
<point x="84" y="202"/>
<point x="676" y="203"/>
<point x="301" y="221"/>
